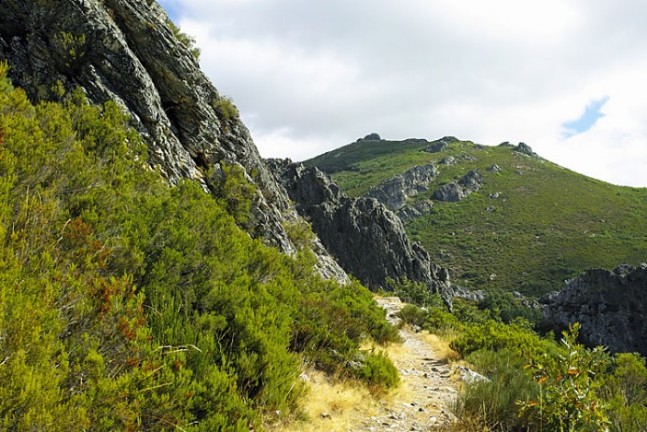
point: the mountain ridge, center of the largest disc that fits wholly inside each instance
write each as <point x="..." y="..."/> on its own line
<point x="530" y="226"/>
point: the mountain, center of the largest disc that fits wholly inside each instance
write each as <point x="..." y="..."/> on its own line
<point x="500" y="217"/>
<point x="363" y="234"/>
<point x="155" y="273"/>
<point x="129" y="52"/>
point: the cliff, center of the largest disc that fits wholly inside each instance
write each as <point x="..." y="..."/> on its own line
<point x="129" y="52"/>
<point x="367" y="238"/>
<point x="610" y="306"/>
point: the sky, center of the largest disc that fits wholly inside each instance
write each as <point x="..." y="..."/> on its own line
<point x="567" y="77"/>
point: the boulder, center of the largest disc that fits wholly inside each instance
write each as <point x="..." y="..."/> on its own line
<point x="456" y="191"/>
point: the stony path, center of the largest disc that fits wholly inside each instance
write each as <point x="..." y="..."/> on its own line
<point x="426" y="388"/>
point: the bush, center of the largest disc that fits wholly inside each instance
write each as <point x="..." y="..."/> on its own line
<point x="567" y="391"/>
<point x="415" y="293"/>
<point x="225" y="108"/>
<point x="126" y="304"/>
<point x="624" y="389"/>
<point x="494" y="403"/>
<point x="413" y="315"/>
<point x="377" y="370"/>
<point x="506" y="307"/>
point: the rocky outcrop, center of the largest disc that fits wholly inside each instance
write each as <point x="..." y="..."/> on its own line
<point x="371" y="137"/>
<point x="441" y="144"/>
<point x="127" y="51"/>
<point x="415" y="210"/>
<point x="395" y="192"/>
<point x="456" y="191"/>
<point x="611" y="307"/>
<point x="524" y="148"/>
<point x="367" y="239"/>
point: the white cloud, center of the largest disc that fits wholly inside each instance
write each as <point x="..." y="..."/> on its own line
<point x="312" y="76"/>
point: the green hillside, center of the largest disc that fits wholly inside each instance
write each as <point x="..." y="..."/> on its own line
<point x="126" y="304"/>
<point x="545" y="225"/>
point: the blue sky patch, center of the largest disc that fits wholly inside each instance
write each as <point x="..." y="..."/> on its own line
<point x="592" y="113"/>
<point x="171" y="8"/>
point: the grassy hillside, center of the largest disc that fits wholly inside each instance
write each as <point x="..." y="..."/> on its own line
<point x="546" y="225"/>
<point x="126" y="304"/>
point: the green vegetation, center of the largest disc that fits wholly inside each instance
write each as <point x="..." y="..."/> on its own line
<point x="532" y="225"/>
<point x="534" y="383"/>
<point x="72" y="48"/>
<point x="225" y="108"/>
<point x="127" y="304"/>
<point x="186" y="40"/>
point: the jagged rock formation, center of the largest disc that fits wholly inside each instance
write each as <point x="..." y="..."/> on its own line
<point x="368" y="239"/>
<point x="371" y="137"/>
<point x="128" y="52"/>
<point x="456" y="191"/>
<point x="524" y="149"/>
<point x="611" y="307"/>
<point x="395" y="191"/>
<point x="441" y="144"/>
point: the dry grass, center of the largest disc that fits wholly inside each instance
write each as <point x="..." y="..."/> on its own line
<point x="330" y="406"/>
<point x="440" y="344"/>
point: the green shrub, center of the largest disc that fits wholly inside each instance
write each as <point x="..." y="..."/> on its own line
<point x="494" y="403"/>
<point x="624" y="389"/>
<point x="225" y="108"/>
<point x="413" y="315"/>
<point x="495" y="336"/>
<point x="377" y="370"/>
<point x="567" y="398"/>
<point x="126" y="304"/>
<point x="413" y="292"/>
<point x="234" y="192"/>
<point x="506" y="307"/>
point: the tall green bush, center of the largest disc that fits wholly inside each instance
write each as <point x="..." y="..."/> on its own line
<point x="127" y="304"/>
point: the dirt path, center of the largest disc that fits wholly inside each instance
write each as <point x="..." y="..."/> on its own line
<point x="426" y="389"/>
<point x="420" y="403"/>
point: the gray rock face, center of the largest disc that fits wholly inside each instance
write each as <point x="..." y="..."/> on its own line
<point x="395" y="191"/>
<point x="456" y="191"/>
<point x="611" y="307"/>
<point x="450" y="192"/>
<point x="441" y="144"/>
<point x="126" y="51"/>
<point x="367" y="239"/>
<point x="371" y="137"/>
<point x="415" y="210"/>
<point x="524" y="149"/>
<point x="448" y="160"/>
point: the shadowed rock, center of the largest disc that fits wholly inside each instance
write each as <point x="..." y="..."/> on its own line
<point x="127" y="51"/>
<point x="611" y="307"/>
<point x="367" y="239"/>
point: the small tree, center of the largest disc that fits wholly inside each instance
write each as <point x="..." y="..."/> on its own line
<point x="567" y="398"/>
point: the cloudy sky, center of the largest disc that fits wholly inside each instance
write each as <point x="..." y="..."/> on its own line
<point x="567" y="77"/>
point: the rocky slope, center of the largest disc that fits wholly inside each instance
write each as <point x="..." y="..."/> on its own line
<point x="610" y="306"/>
<point x="366" y="237"/>
<point x="129" y="52"/>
